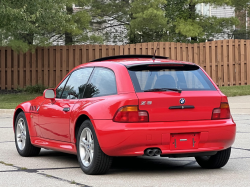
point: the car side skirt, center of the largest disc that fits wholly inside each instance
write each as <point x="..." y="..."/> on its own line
<point x="54" y="145"/>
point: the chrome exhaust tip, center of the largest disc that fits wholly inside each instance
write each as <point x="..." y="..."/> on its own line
<point x="149" y="152"/>
<point x="157" y="152"/>
<point x="152" y="152"/>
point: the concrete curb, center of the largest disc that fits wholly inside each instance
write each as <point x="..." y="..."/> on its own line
<point x="7" y="111"/>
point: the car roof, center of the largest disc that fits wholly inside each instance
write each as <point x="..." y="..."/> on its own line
<point x="132" y="60"/>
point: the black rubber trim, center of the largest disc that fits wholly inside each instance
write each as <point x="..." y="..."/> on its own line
<point x="210" y="153"/>
<point x="128" y="56"/>
<point x="163" y="65"/>
<point x="182" y="107"/>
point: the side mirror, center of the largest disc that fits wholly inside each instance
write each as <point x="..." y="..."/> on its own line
<point x="49" y="94"/>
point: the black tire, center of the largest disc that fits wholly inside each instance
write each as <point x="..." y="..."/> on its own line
<point x="101" y="162"/>
<point x="28" y="149"/>
<point x="216" y="161"/>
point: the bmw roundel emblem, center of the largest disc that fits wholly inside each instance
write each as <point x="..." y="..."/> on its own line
<point x="182" y="101"/>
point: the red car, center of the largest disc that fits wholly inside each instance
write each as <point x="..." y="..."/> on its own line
<point x="129" y="106"/>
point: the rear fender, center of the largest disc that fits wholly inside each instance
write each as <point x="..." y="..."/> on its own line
<point x="103" y="108"/>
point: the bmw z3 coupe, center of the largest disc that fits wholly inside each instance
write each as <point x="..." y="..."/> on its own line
<point x="130" y="105"/>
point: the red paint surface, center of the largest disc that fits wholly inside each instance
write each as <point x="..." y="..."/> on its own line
<point x="52" y="128"/>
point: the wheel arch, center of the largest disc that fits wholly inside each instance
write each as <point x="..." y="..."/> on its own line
<point x="31" y="129"/>
<point x="18" y="111"/>
<point x="78" y="123"/>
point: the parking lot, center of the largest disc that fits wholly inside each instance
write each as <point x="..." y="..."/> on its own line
<point x="52" y="168"/>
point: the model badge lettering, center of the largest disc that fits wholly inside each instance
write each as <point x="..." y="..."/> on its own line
<point x="149" y="102"/>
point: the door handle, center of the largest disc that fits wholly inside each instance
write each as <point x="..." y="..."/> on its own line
<point x="66" y="109"/>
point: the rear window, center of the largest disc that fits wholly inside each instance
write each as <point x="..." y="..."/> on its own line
<point x="184" y="77"/>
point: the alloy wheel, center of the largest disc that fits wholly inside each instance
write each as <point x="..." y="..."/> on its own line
<point x="86" y="147"/>
<point x="21" y="134"/>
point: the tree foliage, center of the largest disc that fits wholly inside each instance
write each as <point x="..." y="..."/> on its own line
<point x="148" y="20"/>
<point x="129" y="20"/>
<point x="166" y="20"/>
<point x="186" y="22"/>
<point x="81" y="19"/>
<point x="28" y="23"/>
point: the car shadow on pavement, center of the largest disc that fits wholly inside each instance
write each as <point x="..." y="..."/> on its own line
<point x="132" y="164"/>
<point x="145" y="164"/>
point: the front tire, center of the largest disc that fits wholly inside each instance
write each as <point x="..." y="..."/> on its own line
<point x="22" y="137"/>
<point x="216" y="161"/>
<point x="91" y="158"/>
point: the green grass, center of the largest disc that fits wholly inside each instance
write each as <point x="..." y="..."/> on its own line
<point x="231" y="91"/>
<point x="10" y="101"/>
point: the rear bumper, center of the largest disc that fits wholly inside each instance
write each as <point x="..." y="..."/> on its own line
<point x="131" y="139"/>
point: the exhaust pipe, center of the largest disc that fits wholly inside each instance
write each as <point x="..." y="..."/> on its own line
<point x="152" y="152"/>
<point x="149" y="152"/>
<point x="157" y="152"/>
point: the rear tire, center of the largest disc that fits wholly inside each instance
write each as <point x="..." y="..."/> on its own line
<point x="92" y="159"/>
<point x="216" y="161"/>
<point x="22" y="137"/>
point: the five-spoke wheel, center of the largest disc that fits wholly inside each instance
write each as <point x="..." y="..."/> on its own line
<point x="90" y="156"/>
<point x="86" y="147"/>
<point x="21" y="133"/>
<point x="22" y="137"/>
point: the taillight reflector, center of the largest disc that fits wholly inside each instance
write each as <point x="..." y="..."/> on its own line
<point x="130" y="114"/>
<point x="221" y="113"/>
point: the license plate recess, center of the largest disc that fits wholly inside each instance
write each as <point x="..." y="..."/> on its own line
<point x="180" y="141"/>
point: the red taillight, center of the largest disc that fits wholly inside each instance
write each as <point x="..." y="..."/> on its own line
<point x="130" y="114"/>
<point x="221" y="113"/>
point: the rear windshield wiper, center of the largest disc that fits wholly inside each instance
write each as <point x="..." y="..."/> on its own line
<point x="163" y="89"/>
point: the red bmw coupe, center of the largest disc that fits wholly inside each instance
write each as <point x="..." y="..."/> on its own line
<point x="129" y="106"/>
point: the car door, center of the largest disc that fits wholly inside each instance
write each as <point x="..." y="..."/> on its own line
<point x="54" y="117"/>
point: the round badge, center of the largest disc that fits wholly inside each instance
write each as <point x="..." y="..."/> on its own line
<point x="182" y="101"/>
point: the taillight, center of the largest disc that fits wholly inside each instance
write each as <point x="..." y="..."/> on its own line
<point x="221" y="113"/>
<point x="130" y="114"/>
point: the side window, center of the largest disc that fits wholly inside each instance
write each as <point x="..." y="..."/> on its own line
<point x="75" y="87"/>
<point x="60" y="88"/>
<point x="102" y="83"/>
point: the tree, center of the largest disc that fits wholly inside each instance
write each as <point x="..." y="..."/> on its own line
<point x="130" y="21"/>
<point x="110" y="19"/>
<point x="28" y="23"/>
<point x="171" y="20"/>
<point x="81" y="18"/>
<point x="148" y="21"/>
<point x="242" y="10"/>
<point x="185" y="21"/>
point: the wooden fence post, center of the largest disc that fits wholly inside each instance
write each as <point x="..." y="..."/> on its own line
<point x="2" y="58"/>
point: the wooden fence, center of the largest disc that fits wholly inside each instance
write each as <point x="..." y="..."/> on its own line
<point x="226" y="61"/>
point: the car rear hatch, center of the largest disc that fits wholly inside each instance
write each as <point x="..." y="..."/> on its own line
<point x="174" y="92"/>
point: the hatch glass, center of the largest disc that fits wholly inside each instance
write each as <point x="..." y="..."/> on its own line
<point x="183" y="77"/>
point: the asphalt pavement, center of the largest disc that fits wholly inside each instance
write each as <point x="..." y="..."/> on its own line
<point x="54" y="169"/>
